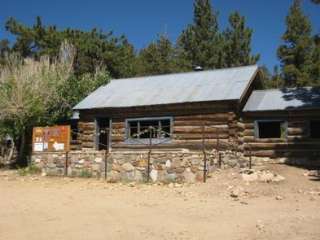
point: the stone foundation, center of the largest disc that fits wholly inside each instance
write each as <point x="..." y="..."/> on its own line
<point x="179" y="166"/>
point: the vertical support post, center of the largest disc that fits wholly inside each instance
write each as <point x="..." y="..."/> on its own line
<point x="204" y="155"/>
<point x="105" y="164"/>
<point x="218" y="150"/>
<point x="149" y="154"/>
<point x="66" y="164"/>
<point x="250" y="157"/>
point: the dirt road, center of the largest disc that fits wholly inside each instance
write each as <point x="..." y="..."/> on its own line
<point x="38" y="208"/>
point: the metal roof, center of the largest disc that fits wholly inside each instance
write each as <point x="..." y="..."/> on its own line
<point x="213" y="85"/>
<point x="283" y="99"/>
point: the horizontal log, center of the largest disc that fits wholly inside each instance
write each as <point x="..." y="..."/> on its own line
<point x="206" y="117"/>
<point x="199" y="123"/>
<point x="248" y="132"/>
<point x="199" y="130"/>
<point x="199" y="136"/>
<point x="284" y="153"/>
<point x="296" y="131"/>
<point x="283" y="146"/>
<point x="248" y="139"/>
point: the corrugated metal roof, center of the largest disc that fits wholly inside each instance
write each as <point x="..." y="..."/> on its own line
<point x="283" y="99"/>
<point x="214" y="85"/>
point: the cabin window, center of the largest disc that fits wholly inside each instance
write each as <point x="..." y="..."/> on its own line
<point x="145" y="128"/>
<point x="270" y="129"/>
<point x="315" y="129"/>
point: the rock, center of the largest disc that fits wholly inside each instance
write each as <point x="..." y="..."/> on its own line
<point x="189" y="177"/>
<point x="266" y="176"/>
<point x="235" y="193"/>
<point x="178" y="185"/>
<point x="98" y="160"/>
<point x="278" y="178"/>
<point x="43" y="174"/>
<point x="113" y="176"/>
<point x="279" y="198"/>
<point x="154" y="175"/>
<point x="250" y="177"/>
<point x="138" y="176"/>
<point x="132" y="184"/>
<point x="127" y="167"/>
<point x="171" y="185"/>
<point x="168" y="164"/>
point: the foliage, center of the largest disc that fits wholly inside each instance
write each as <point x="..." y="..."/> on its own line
<point x="29" y="88"/>
<point x="29" y="170"/>
<point x="157" y="58"/>
<point x="93" y="48"/>
<point x="237" y="43"/>
<point x="200" y="44"/>
<point x="85" y="173"/>
<point x="296" y="52"/>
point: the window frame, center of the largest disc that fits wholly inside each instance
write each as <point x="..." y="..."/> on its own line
<point x="130" y="140"/>
<point x="257" y="132"/>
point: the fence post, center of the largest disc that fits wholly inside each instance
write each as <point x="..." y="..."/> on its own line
<point x="149" y="154"/>
<point x="105" y="164"/>
<point x="66" y="164"/>
<point x="204" y="155"/>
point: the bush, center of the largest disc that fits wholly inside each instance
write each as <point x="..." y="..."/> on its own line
<point x="85" y="173"/>
<point x="30" y="170"/>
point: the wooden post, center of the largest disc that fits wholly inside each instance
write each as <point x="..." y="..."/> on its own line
<point x="149" y="154"/>
<point x="66" y="164"/>
<point x="204" y="155"/>
<point x="105" y="164"/>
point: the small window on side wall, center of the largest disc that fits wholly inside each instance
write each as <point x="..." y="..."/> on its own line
<point x="314" y="129"/>
<point x="270" y="129"/>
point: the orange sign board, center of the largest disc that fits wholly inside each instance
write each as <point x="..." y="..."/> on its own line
<point x="51" y="139"/>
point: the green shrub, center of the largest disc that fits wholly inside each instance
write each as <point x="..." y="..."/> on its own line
<point x="85" y="173"/>
<point x="30" y="170"/>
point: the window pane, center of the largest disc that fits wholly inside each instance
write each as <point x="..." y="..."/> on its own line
<point x="165" y="128"/>
<point x="133" y="129"/>
<point x="315" y="129"/>
<point x="145" y="131"/>
<point x="272" y="129"/>
<point x="160" y="128"/>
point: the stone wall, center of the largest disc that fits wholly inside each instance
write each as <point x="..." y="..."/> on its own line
<point x="180" y="166"/>
<point x="165" y="165"/>
<point x="75" y="163"/>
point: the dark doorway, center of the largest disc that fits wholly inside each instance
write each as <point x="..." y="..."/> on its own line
<point x="102" y="133"/>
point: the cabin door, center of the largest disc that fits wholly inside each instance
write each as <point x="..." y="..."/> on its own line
<point x="102" y="133"/>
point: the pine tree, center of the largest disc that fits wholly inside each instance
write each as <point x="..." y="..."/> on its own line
<point x="157" y="58"/>
<point x="237" y="43"/>
<point x="296" y="53"/>
<point x="315" y="72"/>
<point x="200" y="43"/>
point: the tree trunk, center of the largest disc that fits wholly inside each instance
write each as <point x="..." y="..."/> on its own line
<point x="21" y="154"/>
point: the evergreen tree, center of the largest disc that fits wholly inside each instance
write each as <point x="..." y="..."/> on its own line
<point x="296" y="53"/>
<point x="315" y="72"/>
<point x="316" y="1"/>
<point x="200" y="44"/>
<point x="94" y="48"/>
<point x="4" y="50"/>
<point x="237" y="41"/>
<point x="157" y="58"/>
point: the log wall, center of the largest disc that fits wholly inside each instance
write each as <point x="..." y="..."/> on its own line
<point x="297" y="142"/>
<point x="219" y="119"/>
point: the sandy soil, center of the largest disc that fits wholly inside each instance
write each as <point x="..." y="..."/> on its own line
<point x="64" y="208"/>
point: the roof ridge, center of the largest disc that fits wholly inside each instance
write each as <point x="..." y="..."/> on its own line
<point x="180" y="73"/>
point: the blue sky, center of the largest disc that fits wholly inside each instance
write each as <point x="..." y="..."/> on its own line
<point x="142" y="20"/>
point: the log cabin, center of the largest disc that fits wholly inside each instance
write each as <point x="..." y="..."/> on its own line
<point x="177" y="127"/>
<point x="225" y="105"/>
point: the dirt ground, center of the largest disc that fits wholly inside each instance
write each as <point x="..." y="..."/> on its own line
<point x="63" y="208"/>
